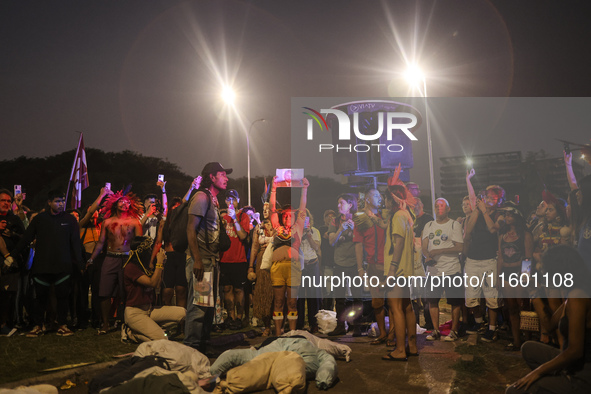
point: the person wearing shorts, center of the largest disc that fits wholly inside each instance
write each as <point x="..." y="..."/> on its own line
<point x="287" y="266"/>
<point x="117" y="231"/>
<point x="284" y="273"/>
<point x="442" y="243"/>
<point x="111" y="283"/>
<point x="481" y="261"/>
<point x="174" y="277"/>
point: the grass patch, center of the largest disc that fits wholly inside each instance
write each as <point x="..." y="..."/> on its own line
<point x="22" y="357"/>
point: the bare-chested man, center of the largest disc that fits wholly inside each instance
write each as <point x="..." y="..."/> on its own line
<point x="118" y="230"/>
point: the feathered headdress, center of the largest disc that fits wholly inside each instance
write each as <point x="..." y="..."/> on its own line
<point x="266" y="193"/>
<point x="136" y="209"/>
<point x="395" y="180"/>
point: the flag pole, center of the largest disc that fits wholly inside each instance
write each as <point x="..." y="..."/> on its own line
<point x="73" y="167"/>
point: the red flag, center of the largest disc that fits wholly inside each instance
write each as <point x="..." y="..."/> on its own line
<point x="79" y="176"/>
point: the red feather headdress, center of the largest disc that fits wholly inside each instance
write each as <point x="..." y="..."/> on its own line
<point x="395" y="180"/>
<point x="136" y="209"/>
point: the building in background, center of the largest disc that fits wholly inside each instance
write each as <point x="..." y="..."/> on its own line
<point x="523" y="179"/>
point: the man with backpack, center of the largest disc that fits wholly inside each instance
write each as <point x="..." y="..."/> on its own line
<point x="203" y="236"/>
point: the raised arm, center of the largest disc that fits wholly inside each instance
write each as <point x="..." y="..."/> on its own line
<point x="570" y="175"/>
<point x="490" y="224"/>
<point x="162" y="185"/>
<point x="194" y="186"/>
<point x="471" y="193"/>
<point x="19" y="211"/>
<point x="151" y="211"/>
<point x="154" y="280"/>
<point x="301" y="220"/>
<point x="333" y="237"/>
<point x="157" y="243"/>
<point x="273" y="204"/>
<point x="93" y="208"/>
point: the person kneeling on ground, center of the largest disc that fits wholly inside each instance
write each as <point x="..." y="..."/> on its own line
<point x="144" y="320"/>
<point x="566" y="370"/>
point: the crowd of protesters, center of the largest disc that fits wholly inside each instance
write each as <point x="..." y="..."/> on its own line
<point x="156" y="268"/>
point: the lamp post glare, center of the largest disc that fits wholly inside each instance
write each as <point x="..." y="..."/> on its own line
<point x="414" y="75"/>
<point x="416" y="78"/>
<point x="228" y="95"/>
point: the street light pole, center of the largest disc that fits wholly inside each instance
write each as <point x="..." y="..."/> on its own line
<point x="430" y="146"/>
<point x="248" y="154"/>
<point x="415" y="76"/>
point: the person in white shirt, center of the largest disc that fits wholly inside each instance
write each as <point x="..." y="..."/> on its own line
<point x="442" y="241"/>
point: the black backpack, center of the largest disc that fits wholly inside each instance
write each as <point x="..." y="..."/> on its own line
<point x="175" y="227"/>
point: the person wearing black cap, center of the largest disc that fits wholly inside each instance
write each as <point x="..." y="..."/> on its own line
<point x="203" y="229"/>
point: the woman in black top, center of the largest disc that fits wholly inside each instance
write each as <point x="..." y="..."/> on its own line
<point x="515" y="245"/>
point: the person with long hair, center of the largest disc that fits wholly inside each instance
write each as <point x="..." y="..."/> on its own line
<point x="310" y="296"/>
<point x="547" y="234"/>
<point x="145" y="320"/>
<point x="369" y="236"/>
<point x="399" y="262"/>
<point x="565" y="370"/>
<point x="122" y="212"/>
<point x="340" y="235"/>
<point x="286" y="271"/>
<point x="515" y="245"/>
<point x="262" y="302"/>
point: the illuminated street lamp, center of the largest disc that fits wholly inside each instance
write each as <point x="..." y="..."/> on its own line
<point x="228" y="95"/>
<point x="415" y="78"/>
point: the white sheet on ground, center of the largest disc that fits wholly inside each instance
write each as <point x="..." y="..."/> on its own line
<point x="337" y="350"/>
<point x="180" y="357"/>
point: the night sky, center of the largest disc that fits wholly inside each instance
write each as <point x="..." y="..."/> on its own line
<point x="147" y="75"/>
